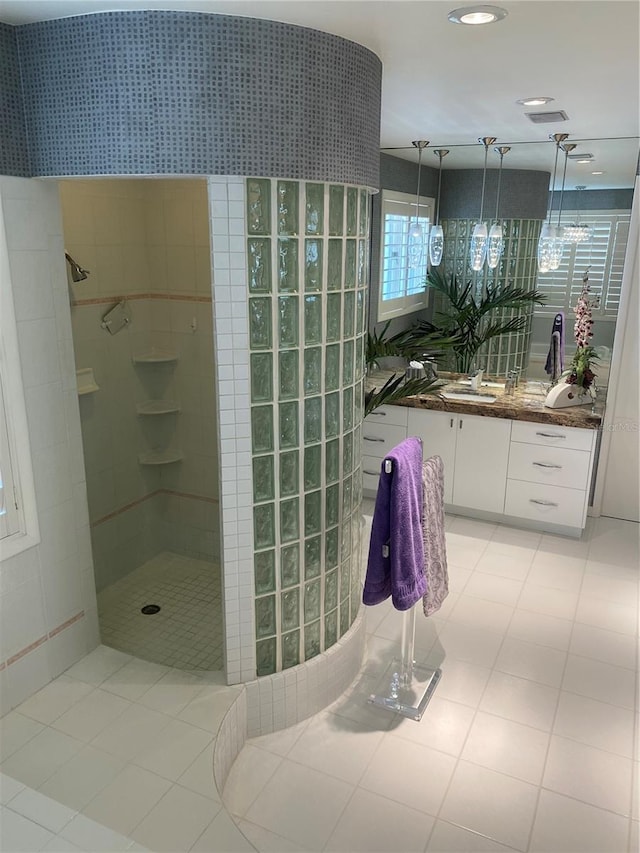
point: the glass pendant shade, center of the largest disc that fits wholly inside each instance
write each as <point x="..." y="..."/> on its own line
<point x="436" y="245"/>
<point x="495" y="246"/>
<point x="556" y="252"/>
<point x="546" y="246"/>
<point x="576" y="233"/>
<point x="415" y="245"/>
<point x="478" y="250"/>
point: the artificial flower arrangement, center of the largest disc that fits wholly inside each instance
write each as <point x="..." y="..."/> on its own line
<point x="580" y="372"/>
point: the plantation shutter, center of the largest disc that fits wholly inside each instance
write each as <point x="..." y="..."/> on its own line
<point x="604" y="253"/>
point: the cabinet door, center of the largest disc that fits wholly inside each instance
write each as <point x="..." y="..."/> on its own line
<point x="482" y="456"/>
<point x="438" y="434"/>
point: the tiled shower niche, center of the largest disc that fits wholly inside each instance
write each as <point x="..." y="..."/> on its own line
<point x="516" y="267"/>
<point x="307" y="257"/>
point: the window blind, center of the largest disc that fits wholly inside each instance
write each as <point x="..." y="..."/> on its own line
<point x="604" y="253"/>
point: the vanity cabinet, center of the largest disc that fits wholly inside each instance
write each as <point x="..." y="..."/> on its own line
<point x="475" y="452"/>
<point x="524" y="473"/>
<point x="381" y="431"/>
<point x="549" y="473"/>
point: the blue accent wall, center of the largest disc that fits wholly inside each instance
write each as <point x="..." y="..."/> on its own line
<point x="14" y="155"/>
<point x="148" y="92"/>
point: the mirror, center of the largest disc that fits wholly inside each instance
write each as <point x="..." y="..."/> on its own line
<point x="605" y="204"/>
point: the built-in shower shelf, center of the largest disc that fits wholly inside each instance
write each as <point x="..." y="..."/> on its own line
<point x="86" y="381"/>
<point x="160" y="457"/>
<point x="155" y="356"/>
<point x="157" y="407"/>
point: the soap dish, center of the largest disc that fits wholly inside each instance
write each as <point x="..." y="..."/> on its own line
<point x="86" y="381"/>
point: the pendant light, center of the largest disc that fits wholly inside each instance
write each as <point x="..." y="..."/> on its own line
<point x="557" y="250"/>
<point x="549" y="233"/>
<point x="479" y="235"/>
<point x="416" y="236"/>
<point x="577" y="232"/>
<point x="436" y="235"/>
<point x="495" y="246"/>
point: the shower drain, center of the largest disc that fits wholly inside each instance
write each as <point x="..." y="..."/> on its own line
<point x="148" y="609"/>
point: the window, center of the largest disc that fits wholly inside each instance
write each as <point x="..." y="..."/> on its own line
<point x="402" y="272"/>
<point x="18" y="516"/>
<point x="604" y="253"/>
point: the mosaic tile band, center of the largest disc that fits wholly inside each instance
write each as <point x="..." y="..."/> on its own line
<point x="156" y="92"/>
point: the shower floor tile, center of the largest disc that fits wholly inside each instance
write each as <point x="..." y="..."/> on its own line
<point x="186" y="633"/>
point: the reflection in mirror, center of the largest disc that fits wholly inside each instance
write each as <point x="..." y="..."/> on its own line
<point x="604" y="204"/>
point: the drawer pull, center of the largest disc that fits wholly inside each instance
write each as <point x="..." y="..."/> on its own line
<point x="371" y="473"/>
<point x="367" y="438"/>
<point x="551" y="434"/>
<point x="546" y="465"/>
<point x="377" y="415"/>
<point x="541" y="502"/>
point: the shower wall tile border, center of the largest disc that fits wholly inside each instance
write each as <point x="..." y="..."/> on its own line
<point x="231" y="341"/>
<point x="129" y="297"/>
<point x="147" y="497"/>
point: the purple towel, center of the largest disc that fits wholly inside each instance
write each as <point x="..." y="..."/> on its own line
<point x="396" y="550"/>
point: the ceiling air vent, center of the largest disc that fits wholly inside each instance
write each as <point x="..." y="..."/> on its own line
<point x="545" y="118"/>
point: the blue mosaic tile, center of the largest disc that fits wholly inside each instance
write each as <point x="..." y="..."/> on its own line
<point x="137" y="98"/>
<point x="14" y="158"/>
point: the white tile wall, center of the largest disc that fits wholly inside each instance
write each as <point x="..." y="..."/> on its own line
<point x="42" y="588"/>
<point x="227" y="211"/>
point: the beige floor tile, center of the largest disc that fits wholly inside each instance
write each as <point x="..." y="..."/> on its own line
<point x="413" y="775"/>
<point x="301" y="804"/>
<point x="508" y="747"/>
<point x="127" y="799"/>
<point x="198" y="776"/>
<point x="568" y="825"/>
<point x="444" y="726"/>
<point x="591" y="775"/>
<point x="374" y="824"/>
<point x="82" y="778"/>
<point x="491" y="804"/>
<point x="176" y="822"/>
<point x="595" y="723"/>
<point x="520" y="700"/>
<point x="39" y="759"/>
<point x="529" y="660"/>
<point x="336" y="746"/>
<point x="52" y="701"/>
<point x="249" y="775"/>
<point x="447" y="838"/>
<point x="88" y="717"/>
<point x="614" y="685"/>
<point x="15" y="731"/>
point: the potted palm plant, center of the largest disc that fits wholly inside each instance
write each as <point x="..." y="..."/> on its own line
<point x="472" y="320"/>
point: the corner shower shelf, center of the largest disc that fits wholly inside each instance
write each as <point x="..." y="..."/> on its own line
<point x="86" y="381"/>
<point x="160" y="457"/>
<point x="157" y="407"/>
<point x="155" y="356"/>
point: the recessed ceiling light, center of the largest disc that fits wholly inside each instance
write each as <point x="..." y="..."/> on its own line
<point x="597" y="173"/>
<point x="534" y="102"/>
<point x="584" y="160"/>
<point x="475" y="15"/>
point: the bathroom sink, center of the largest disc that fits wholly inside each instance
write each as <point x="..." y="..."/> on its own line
<point x="468" y="396"/>
<point x="483" y="384"/>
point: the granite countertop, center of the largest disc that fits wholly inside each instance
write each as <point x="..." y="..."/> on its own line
<point x="522" y="406"/>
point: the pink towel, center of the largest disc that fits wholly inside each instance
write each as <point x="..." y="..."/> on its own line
<point x="435" y="549"/>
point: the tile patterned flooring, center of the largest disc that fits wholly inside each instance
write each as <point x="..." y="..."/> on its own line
<point x="186" y="633"/>
<point x="530" y="742"/>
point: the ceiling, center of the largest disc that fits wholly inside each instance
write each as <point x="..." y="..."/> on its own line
<point x="452" y="84"/>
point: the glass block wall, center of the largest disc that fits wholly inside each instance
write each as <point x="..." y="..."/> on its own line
<point x="307" y="260"/>
<point x="517" y="267"/>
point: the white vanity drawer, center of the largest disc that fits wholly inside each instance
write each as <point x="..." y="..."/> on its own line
<point x="379" y="439"/>
<point x="370" y="473"/>
<point x="554" y="465"/>
<point x="550" y="435"/>
<point x="546" y="504"/>
<point x="397" y="415"/>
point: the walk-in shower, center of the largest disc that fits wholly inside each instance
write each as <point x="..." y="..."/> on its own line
<point x="149" y="418"/>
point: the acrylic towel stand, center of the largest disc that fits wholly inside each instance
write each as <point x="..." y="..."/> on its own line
<point x="406" y="687"/>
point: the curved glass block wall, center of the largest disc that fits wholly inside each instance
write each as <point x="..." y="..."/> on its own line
<point x="307" y="264"/>
<point x="517" y="267"/>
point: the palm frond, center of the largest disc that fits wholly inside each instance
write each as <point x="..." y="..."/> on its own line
<point x="395" y="388"/>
